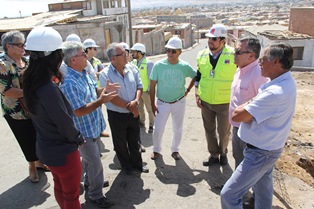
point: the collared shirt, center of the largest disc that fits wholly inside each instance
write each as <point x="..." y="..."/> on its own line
<point x="80" y="89"/>
<point x="245" y="85"/>
<point x="272" y="109"/>
<point x="11" y="77"/>
<point x="130" y="83"/>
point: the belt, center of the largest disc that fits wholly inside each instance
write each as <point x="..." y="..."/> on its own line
<point x="172" y="101"/>
<point x="251" y="146"/>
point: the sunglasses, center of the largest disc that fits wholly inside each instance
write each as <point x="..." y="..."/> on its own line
<point x="173" y="51"/>
<point x="238" y="52"/>
<point x="213" y="38"/>
<point x="20" y="45"/>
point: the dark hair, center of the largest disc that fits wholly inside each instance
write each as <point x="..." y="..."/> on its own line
<point x="253" y="45"/>
<point x="281" y="51"/>
<point x="39" y="72"/>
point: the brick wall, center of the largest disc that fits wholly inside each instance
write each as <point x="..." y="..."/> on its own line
<point x="302" y="20"/>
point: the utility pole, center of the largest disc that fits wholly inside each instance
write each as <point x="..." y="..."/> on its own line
<point x="130" y="24"/>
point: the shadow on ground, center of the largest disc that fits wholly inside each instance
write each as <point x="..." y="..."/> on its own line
<point x="25" y="194"/>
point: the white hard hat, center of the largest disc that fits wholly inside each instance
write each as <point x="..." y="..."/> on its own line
<point x="125" y="46"/>
<point x="217" y="30"/>
<point x="43" y="39"/>
<point x="90" y="43"/>
<point x="139" y="47"/>
<point x="73" y="37"/>
<point x="174" y="43"/>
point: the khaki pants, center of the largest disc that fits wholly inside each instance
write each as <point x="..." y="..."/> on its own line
<point x="145" y="100"/>
<point x="211" y="114"/>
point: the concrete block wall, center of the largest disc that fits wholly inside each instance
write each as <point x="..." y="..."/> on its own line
<point x="301" y="20"/>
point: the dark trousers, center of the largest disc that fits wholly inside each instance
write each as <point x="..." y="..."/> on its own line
<point x="125" y="130"/>
<point x="25" y="134"/>
<point x="67" y="179"/>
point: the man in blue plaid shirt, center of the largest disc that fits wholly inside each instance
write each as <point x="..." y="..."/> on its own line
<point x="86" y="100"/>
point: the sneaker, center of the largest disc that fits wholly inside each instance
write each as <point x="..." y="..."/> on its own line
<point x="154" y="155"/>
<point x="223" y="160"/>
<point x="176" y="155"/>
<point x="211" y="161"/>
<point x="150" y="129"/>
<point x="144" y="169"/>
<point x="102" y="202"/>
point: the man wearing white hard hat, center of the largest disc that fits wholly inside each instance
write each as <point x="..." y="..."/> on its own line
<point x="145" y="67"/>
<point x="91" y="52"/>
<point x="215" y="73"/>
<point x="169" y="76"/>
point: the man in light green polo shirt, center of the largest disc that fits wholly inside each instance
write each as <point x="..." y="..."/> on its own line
<point x="169" y="75"/>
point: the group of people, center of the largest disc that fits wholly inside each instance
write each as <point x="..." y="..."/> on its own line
<point x="232" y="87"/>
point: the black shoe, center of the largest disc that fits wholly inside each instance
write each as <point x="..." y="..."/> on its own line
<point x="223" y="160"/>
<point x="103" y="202"/>
<point x="150" y="129"/>
<point x="249" y="203"/>
<point x="106" y="184"/>
<point x="144" y="169"/>
<point x="176" y="155"/>
<point x="154" y="155"/>
<point x="211" y="161"/>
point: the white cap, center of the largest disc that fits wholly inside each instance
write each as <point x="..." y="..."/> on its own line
<point x="90" y="43"/>
<point x="174" y="43"/>
<point x="44" y="39"/>
<point x="217" y="30"/>
<point x="125" y="46"/>
<point x="73" y="37"/>
<point x="139" y="47"/>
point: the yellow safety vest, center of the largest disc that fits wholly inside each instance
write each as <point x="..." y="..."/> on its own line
<point x="215" y="84"/>
<point x="144" y="73"/>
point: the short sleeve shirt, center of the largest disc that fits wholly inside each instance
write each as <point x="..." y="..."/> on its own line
<point x="171" y="79"/>
<point x="80" y="89"/>
<point x="11" y="77"/>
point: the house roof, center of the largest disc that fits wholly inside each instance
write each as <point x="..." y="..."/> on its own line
<point x="279" y="35"/>
<point x="261" y="28"/>
<point x="42" y="19"/>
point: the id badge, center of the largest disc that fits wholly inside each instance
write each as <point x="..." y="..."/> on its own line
<point x="212" y="72"/>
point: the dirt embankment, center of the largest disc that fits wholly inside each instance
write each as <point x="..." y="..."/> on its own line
<point x="298" y="157"/>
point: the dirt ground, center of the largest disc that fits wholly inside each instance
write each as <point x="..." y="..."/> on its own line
<point x="298" y="157"/>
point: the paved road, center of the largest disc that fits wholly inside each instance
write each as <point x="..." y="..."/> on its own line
<point x="174" y="184"/>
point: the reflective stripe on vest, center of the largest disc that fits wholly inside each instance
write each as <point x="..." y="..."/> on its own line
<point x="215" y="87"/>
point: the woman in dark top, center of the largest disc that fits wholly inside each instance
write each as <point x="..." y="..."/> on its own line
<point x="57" y="137"/>
<point x="12" y="66"/>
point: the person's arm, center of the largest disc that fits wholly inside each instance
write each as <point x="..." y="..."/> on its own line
<point x="152" y="91"/>
<point x="90" y="107"/>
<point x="189" y="87"/>
<point x="242" y="115"/>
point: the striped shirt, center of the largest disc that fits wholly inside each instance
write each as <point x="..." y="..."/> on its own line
<point x="80" y="89"/>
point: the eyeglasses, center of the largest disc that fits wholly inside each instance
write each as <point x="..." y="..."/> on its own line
<point x="82" y="55"/>
<point x="173" y="51"/>
<point x="238" y="52"/>
<point x="20" y="45"/>
<point x="213" y="38"/>
<point x="122" y="54"/>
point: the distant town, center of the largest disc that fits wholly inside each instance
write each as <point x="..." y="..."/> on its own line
<point x="108" y="21"/>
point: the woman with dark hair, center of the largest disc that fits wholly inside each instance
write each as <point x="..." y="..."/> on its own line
<point x="57" y="137"/>
<point x="12" y="66"/>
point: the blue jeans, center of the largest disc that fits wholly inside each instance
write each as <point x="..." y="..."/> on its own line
<point x="254" y="171"/>
<point x="92" y="165"/>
